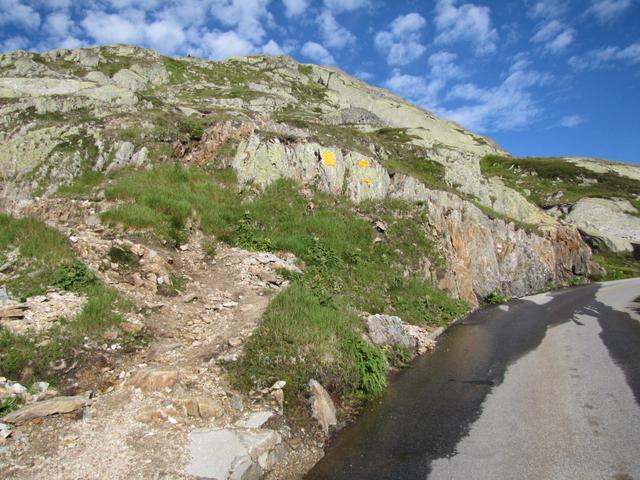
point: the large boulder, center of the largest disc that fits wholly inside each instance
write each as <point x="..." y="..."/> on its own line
<point x="610" y="221"/>
<point x="233" y="454"/>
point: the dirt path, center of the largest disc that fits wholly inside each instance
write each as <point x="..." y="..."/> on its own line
<point x="143" y="432"/>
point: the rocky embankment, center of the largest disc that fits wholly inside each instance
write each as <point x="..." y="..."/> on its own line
<point x="150" y="394"/>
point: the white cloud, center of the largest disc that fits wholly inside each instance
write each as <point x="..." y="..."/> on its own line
<point x="443" y="67"/>
<point x="166" y="36"/>
<point x="402" y="43"/>
<point x="470" y="23"/>
<point x="293" y="8"/>
<point x="219" y="45"/>
<point x="14" y="43"/>
<point x="58" y="24"/>
<point x="571" y="121"/>
<point x="606" y="57"/>
<point x="555" y="36"/>
<point x="245" y="15"/>
<point x="333" y="34"/>
<point x="548" y="9"/>
<point x="339" y="6"/>
<point x="13" y="12"/>
<point x="426" y="91"/>
<point x="272" y="48"/>
<point x="111" y="28"/>
<point x="507" y="106"/>
<point x="607" y="10"/>
<point x="407" y="24"/>
<point x="317" y="53"/>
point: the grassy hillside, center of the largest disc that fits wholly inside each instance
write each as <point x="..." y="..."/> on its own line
<point x="313" y="328"/>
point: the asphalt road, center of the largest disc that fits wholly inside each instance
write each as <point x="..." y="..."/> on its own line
<point x="547" y="387"/>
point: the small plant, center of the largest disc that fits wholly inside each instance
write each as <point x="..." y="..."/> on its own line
<point x="323" y="257"/>
<point x="209" y="247"/>
<point x="8" y="405"/>
<point x="247" y="235"/>
<point x="74" y="276"/>
<point x="397" y="356"/>
<point x="496" y="298"/>
<point x="370" y="368"/>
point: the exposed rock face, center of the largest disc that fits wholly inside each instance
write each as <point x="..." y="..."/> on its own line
<point x="322" y="407"/>
<point x="608" y="221"/>
<point x="484" y="255"/>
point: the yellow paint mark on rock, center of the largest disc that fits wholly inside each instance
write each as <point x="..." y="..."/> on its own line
<point x="366" y="180"/>
<point x="363" y="163"/>
<point x="328" y="158"/>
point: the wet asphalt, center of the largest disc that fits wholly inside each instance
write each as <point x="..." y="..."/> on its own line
<point x="546" y="387"/>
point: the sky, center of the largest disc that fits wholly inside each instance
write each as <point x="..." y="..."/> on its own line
<point x="541" y="77"/>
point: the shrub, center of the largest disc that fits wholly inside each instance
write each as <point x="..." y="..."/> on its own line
<point x="496" y="298"/>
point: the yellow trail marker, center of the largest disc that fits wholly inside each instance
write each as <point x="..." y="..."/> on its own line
<point x="328" y="158"/>
<point x="363" y="163"/>
<point x="366" y="180"/>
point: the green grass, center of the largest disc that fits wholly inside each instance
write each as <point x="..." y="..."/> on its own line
<point x="617" y="266"/>
<point x="83" y="186"/>
<point x="543" y="177"/>
<point x="46" y="260"/>
<point x="345" y="270"/>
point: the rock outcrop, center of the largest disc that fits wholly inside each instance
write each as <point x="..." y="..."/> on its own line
<point x="610" y="224"/>
<point x="483" y="254"/>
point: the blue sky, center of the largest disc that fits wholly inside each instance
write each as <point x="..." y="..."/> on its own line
<point x="540" y="77"/>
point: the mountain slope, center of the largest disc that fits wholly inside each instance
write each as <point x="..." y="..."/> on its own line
<point x="255" y="220"/>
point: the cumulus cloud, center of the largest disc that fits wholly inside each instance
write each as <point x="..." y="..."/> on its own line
<point x="606" y="57"/>
<point x="58" y="24"/>
<point x="427" y="90"/>
<point x="402" y="43"/>
<point x="245" y="15"/>
<point x="317" y="53"/>
<point x="554" y="35"/>
<point x="570" y="121"/>
<point x="13" y="12"/>
<point x="218" y="45"/>
<point x="111" y="28"/>
<point x="607" y="10"/>
<point x="509" y="105"/>
<point x="293" y="8"/>
<point x="166" y="35"/>
<point x="272" y="48"/>
<point x="468" y="23"/>
<point x="14" y="43"/>
<point x="339" y="6"/>
<point x="333" y="34"/>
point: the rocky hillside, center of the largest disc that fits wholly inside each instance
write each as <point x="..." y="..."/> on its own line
<point x="212" y="244"/>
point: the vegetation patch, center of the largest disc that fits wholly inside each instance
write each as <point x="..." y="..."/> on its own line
<point x="83" y="186"/>
<point x="44" y="260"/>
<point x="311" y="329"/>
<point x="617" y="266"/>
<point x="553" y="181"/>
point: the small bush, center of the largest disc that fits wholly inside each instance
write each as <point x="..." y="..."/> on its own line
<point x="123" y="256"/>
<point x="496" y="298"/>
<point x="371" y="368"/>
<point x="74" y="276"/>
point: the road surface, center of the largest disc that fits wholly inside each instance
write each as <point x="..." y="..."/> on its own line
<point x="547" y="387"/>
